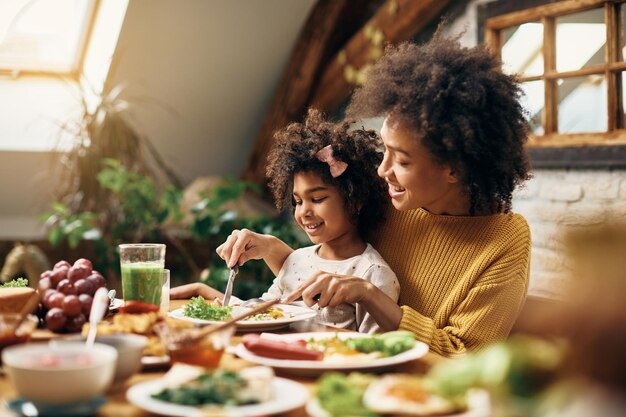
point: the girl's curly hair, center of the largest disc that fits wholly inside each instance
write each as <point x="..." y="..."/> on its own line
<point x="295" y="150"/>
<point x="464" y="109"/>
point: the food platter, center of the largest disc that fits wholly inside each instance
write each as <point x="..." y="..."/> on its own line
<point x="154" y="362"/>
<point x="287" y="395"/>
<point x="478" y="406"/>
<point x="309" y="367"/>
<point x="293" y="314"/>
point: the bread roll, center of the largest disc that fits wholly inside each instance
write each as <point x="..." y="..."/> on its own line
<point x="13" y="299"/>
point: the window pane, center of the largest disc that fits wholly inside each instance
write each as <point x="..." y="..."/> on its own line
<point x="580" y="40"/>
<point x="521" y="50"/>
<point x="42" y="34"/>
<point x="582" y="104"/>
<point x="533" y="103"/>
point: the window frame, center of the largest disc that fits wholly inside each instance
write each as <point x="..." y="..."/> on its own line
<point x="554" y="149"/>
<point x="83" y="43"/>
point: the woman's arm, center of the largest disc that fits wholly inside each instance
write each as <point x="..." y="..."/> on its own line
<point x="193" y="290"/>
<point x="243" y="245"/>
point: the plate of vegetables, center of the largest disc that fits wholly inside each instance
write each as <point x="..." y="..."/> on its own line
<point x="199" y="311"/>
<point x="193" y="391"/>
<point x="365" y="395"/>
<point x="314" y="353"/>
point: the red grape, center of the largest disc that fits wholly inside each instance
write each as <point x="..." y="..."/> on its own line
<point x="85" y="300"/>
<point x="96" y="280"/>
<point x="84" y="287"/>
<point x="78" y="272"/>
<point x="75" y="324"/>
<point x="84" y="262"/>
<point x="44" y="284"/>
<point x="45" y="274"/>
<point x="56" y="319"/>
<point x="54" y="300"/>
<point x="66" y="287"/>
<point x="47" y="293"/>
<point x="71" y="306"/>
<point x="58" y="275"/>
<point x="61" y="264"/>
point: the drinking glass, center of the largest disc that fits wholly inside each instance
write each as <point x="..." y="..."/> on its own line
<point x="142" y="267"/>
<point x="165" y="292"/>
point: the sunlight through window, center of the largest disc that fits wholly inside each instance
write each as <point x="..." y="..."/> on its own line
<point x="43" y="35"/>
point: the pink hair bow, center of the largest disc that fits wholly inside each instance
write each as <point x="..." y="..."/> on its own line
<point x="336" y="167"/>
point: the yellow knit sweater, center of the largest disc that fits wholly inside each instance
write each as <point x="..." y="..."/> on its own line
<point x="462" y="279"/>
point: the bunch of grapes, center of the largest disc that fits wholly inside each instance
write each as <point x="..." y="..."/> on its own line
<point x="67" y="294"/>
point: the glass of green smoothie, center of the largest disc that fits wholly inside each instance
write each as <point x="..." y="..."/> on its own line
<point x="142" y="267"/>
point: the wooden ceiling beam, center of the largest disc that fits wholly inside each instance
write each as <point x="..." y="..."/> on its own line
<point x="396" y="21"/>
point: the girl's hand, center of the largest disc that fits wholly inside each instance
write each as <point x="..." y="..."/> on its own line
<point x="330" y="290"/>
<point x="243" y="245"/>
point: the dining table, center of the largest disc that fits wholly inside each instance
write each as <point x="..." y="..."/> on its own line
<point x="117" y="405"/>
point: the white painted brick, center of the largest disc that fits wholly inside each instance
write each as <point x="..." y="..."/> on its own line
<point x="547" y="235"/>
<point x="602" y="186"/>
<point x="559" y="191"/>
<point x="583" y="214"/>
<point x="529" y="190"/>
<point x="546" y="260"/>
<point x="622" y="189"/>
<point x="549" y="285"/>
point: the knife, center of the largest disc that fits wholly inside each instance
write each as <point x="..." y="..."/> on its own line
<point x="229" y="285"/>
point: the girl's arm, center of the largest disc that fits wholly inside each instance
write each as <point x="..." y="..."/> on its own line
<point x="243" y="245"/>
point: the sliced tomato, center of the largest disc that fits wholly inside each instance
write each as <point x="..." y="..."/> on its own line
<point x="137" y="307"/>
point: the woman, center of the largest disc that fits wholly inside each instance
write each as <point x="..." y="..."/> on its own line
<point x="453" y="133"/>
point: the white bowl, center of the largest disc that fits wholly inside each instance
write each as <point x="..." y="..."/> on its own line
<point x="129" y="351"/>
<point x="51" y="374"/>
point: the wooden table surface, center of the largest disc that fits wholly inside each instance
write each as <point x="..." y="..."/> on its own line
<point x="118" y="406"/>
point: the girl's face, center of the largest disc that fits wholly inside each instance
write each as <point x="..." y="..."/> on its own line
<point x="320" y="210"/>
<point x="414" y="178"/>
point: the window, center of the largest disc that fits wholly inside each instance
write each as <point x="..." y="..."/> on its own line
<point x="569" y="56"/>
<point x="43" y="36"/>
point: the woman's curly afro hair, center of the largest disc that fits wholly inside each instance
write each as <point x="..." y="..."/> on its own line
<point x="464" y="109"/>
<point x="295" y="149"/>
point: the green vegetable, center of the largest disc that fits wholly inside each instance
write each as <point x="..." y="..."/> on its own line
<point x="197" y="308"/>
<point x="18" y="282"/>
<point x="219" y="387"/>
<point x="342" y="395"/>
<point x="389" y="344"/>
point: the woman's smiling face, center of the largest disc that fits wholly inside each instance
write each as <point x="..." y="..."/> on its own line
<point x="320" y="209"/>
<point x="414" y="178"/>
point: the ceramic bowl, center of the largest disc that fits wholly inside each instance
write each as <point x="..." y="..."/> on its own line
<point x="129" y="351"/>
<point x="50" y="374"/>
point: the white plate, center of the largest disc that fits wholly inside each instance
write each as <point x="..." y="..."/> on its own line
<point x="299" y="314"/>
<point x="301" y="367"/>
<point x="117" y="303"/>
<point x="148" y="362"/>
<point x="286" y="395"/>
<point x="478" y="405"/>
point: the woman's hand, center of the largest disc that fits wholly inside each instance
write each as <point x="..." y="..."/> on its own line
<point x="330" y="290"/>
<point x="193" y="290"/>
<point x="243" y="245"/>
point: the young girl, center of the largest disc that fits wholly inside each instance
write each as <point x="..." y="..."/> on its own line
<point x="326" y="174"/>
